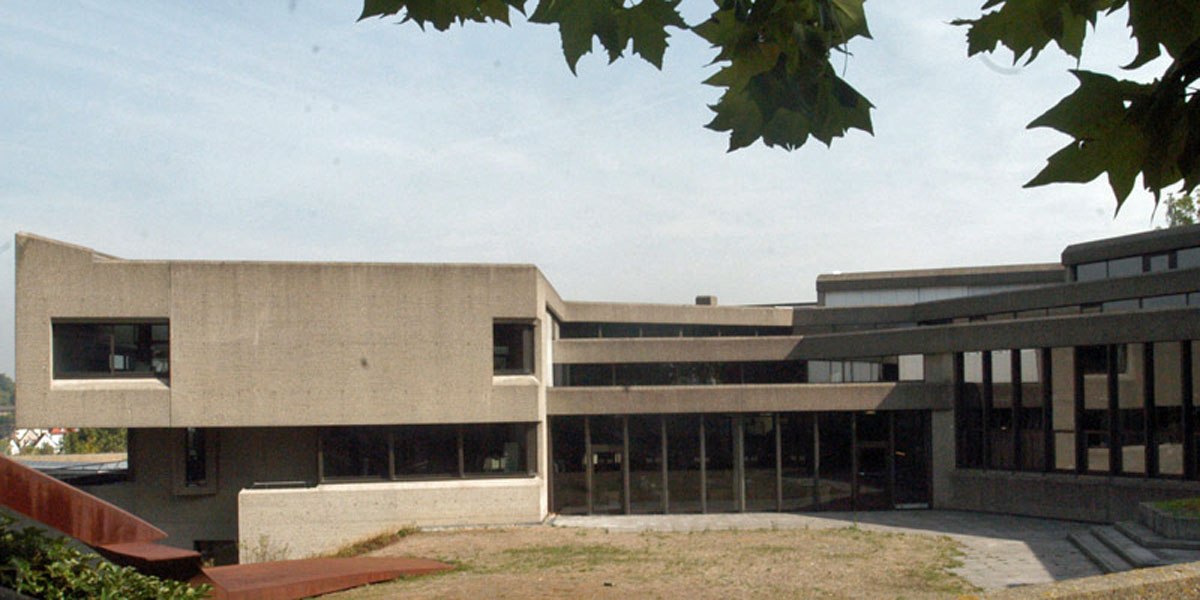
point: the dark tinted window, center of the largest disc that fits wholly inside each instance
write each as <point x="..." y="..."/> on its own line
<point x="85" y="350"/>
<point x="512" y="348"/>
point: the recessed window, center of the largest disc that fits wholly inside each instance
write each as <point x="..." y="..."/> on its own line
<point x="1093" y="360"/>
<point x="94" y="350"/>
<point x="496" y="449"/>
<point x="1124" y="267"/>
<point x="1091" y="271"/>
<point x="196" y="470"/>
<point x="1187" y="258"/>
<point x="195" y="458"/>
<point x="1169" y="301"/>
<point x="1158" y="262"/>
<point x="512" y="348"/>
<point x="427" y="452"/>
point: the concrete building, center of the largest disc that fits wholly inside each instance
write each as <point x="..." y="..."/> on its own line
<point x="290" y="408"/>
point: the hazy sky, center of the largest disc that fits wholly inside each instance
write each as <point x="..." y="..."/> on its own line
<point x="286" y="130"/>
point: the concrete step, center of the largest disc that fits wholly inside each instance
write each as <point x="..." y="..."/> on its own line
<point x="1102" y="555"/>
<point x="1128" y="549"/>
<point x="1150" y="539"/>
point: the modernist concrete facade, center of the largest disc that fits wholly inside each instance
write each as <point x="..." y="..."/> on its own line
<point x="295" y="407"/>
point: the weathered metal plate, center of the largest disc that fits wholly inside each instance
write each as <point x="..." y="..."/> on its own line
<point x="290" y="579"/>
<point x="72" y="511"/>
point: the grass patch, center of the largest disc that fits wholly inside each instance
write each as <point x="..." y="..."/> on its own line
<point x="936" y="576"/>
<point x="578" y="557"/>
<point x="373" y="543"/>
<point x="1184" y="507"/>
<point x="772" y="549"/>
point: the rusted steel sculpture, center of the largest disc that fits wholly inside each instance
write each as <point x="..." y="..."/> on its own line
<point x="127" y="540"/>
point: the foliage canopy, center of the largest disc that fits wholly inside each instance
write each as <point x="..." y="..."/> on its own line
<point x="1183" y="209"/>
<point x="781" y="85"/>
<point x="94" y="441"/>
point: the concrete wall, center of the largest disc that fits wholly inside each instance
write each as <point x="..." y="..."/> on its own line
<point x="1095" y="498"/>
<point x="244" y="456"/>
<point x="61" y="280"/>
<point x="279" y="344"/>
<point x="307" y="344"/>
<point x="295" y="523"/>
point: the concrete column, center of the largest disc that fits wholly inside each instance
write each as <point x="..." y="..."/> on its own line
<point x="939" y="368"/>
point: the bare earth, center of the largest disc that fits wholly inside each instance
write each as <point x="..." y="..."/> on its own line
<point x="554" y="562"/>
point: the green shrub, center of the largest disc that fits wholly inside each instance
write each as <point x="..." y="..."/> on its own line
<point x="1183" y="507"/>
<point x="37" y="564"/>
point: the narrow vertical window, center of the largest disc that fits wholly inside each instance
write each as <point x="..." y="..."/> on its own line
<point x="195" y="473"/>
<point x="512" y="348"/>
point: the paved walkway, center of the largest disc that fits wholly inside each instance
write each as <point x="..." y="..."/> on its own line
<point x="1001" y="551"/>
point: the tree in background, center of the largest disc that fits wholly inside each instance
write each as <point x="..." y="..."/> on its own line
<point x="94" y="441"/>
<point x="8" y="390"/>
<point x="1183" y="209"/>
<point x="780" y="70"/>
<point x="7" y="419"/>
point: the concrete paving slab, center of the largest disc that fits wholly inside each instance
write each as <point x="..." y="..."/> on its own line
<point x="1000" y="551"/>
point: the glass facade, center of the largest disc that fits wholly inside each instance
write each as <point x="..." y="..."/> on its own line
<point x="740" y="462"/>
<point x="1185" y="258"/>
<point x="865" y="370"/>
<point x="1113" y="409"/>
<point x="427" y="451"/>
<point x="587" y="330"/>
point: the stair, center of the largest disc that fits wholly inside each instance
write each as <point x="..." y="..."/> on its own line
<point x="1128" y="549"/>
<point x="1151" y="539"/>
<point x="1099" y="552"/>
<point x="1129" y="545"/>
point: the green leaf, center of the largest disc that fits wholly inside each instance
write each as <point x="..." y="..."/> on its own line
<point x="738" y="115"/>
<point x="380" y="8"/>
<point x="1028" y="26"/>
<point x="645" y="23"/>
<point x="1171" y="24"/>
<point x="851" y="18"/>
<point x="1108" y="137"/>
<point x="578" y="22"/>
<point x="443" y="13"/>
<point x="753" y="62"/>
<point x="1089" y="110"/>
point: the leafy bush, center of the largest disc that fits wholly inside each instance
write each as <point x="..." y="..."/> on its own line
<point x="37" y="564"/>
<point x="94" y="441"/>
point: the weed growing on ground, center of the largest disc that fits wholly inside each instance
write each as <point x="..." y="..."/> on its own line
<point x="264" y="551"/>
<point x="375" y="542"/>
<point x="936" y="576"/>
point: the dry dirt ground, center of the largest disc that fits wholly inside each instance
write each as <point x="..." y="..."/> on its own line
<point x="553" y="562"/>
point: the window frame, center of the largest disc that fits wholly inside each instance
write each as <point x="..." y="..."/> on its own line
<point x="529" y="351"/>
<point x="149" y="323"/>
<point x="529" y="437"/>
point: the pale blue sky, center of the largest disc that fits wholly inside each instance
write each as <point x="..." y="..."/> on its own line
<point x="286" y="130"/>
